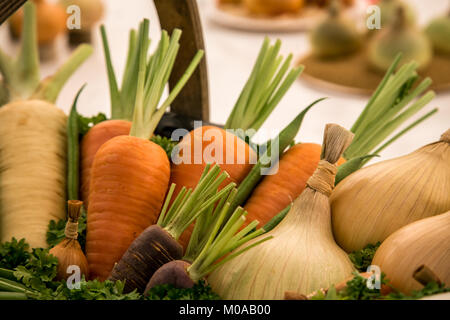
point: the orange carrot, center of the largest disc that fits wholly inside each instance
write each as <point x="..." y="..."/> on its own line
<point x="92" y="142"/>
<point x="122" y="105"/>
<point x="269" y="81"/>
<point x="130" y="174"/>
<point x="275" y="192"/>
<point x="130" y="177"/>
<point x="186" y="174"/>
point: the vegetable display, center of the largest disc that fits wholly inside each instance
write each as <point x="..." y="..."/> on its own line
<point x="372" y="203"/>
<point x="390" y="106"/>
<point x="424" y="242"/>
<point x="100" y="208"/>
<point x="302" y="256"/>
<point x="158" y="244"/>
<point x="130" y="174"/>
<point x="269" y="81"/>
<point x="33" y="140"/>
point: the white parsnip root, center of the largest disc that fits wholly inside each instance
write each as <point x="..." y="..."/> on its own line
<point x="32" y="168"/>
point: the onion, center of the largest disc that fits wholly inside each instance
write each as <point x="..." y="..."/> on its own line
<point x="273" y="7"/>
<point x="425" y="242"/>
<point x="372" y="203"/>
<point x="302" y="256"/>
<point x="388" y="12"/>
<point x="335" y="36"/>
<point x="68" y="251"/>
<point x="439" y="33"/>
<point x="399" y="37"/>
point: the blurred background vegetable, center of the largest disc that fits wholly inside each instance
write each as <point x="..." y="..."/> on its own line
<point x="51" y="23"/>
<point x="438" y="30"/>
<point x="397" y="37"/>
<point x="335" y="36"/>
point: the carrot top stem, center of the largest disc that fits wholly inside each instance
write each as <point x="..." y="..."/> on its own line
<point x="190" y="204"/>
<point x="153" y="77"/>
<point x="268" y="83"/>
<point x="123" y="99"/>
<point x="50" y="88"/>
<point x="389" y="107"/>
<point x="223" y="240"/>
<point x="202" y="229"/>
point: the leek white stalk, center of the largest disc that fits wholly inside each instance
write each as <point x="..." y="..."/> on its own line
<point x="302" y="256"/>
<point x="425" y="242"/>
<point x="373" y="202"/>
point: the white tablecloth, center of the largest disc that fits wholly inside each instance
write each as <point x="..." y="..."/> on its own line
<point x="230" y="56"/>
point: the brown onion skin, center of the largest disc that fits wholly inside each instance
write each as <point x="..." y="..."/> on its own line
<point x="174" y="273"/>
<point x="152" y="249"/>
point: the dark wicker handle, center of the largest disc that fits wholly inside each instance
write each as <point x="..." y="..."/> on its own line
<point x="193" y="101"/>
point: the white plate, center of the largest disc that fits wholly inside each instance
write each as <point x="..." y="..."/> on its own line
<point x="236" y="17"/>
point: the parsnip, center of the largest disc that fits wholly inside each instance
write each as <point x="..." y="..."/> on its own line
<point x="33" y="168"/>
<point x="33" y="141"/>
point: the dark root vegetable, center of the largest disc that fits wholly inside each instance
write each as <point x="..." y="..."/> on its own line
<point x="153" y="248"/>
<point x="174" y="273"/>
<point x="158" y="244"/>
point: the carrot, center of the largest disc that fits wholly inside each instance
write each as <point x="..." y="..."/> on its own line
<point x="158" y="243"/>
<point x="122" y="106"/>
<point x="266" y="86"/>
<point x="33" y="140"/>
<point x="297" y="165"/>
<point x="130" y="174"/>
<point x="277" y="191"/>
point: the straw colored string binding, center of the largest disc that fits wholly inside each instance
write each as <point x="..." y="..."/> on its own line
<point x="68" y="251"/>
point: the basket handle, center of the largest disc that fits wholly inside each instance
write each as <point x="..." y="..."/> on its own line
<point x="8" y="7"/>
<point x="193" y="101"/>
